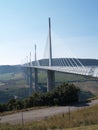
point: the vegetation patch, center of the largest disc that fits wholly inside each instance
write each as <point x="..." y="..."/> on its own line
<point x="90" y="127"/>
<point x="61" y="95"/>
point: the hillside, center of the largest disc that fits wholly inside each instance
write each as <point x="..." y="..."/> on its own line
<point x="56" y="61"/>
<point x="9" y="69"/>
<point x="12" y="83"/>
<point x="17" y="68"/>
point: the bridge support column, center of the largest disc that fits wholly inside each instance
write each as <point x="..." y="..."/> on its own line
<point x="50" y="80"/>
<point x="36" y="79"/>
<point x="27" y="75"/>
<point x="30" y="81"/>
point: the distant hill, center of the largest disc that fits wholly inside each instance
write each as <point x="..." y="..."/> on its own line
<point x="45" y="62"/>
<point x="66" y="61"/>
<point x="89" y="62"/>
<point x="9" y="69"/>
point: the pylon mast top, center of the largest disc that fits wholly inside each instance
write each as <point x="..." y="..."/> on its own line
<point x="50" y="46"/>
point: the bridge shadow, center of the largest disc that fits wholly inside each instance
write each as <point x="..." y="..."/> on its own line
<point x="80" y="104"/>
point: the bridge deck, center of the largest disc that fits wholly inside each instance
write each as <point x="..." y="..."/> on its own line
<point x="91" y="71"/>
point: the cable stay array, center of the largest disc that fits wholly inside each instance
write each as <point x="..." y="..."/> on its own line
<point x="64" y="64"/>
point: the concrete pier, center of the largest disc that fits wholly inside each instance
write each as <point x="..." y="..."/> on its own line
<point x="50" y="80"/>
<point x="27" y="75"/>
<point x="36" y="79"/>
<point x="30" y="81"/>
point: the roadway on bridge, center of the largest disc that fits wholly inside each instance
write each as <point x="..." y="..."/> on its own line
<point x="42" y="113"/>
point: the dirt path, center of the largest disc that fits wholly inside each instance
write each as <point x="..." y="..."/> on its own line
<point x="41" y="113"/>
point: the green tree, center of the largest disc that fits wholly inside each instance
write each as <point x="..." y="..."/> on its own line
<point x="66" y="93"/>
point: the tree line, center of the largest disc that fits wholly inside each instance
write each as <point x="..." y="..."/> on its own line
<point x="61" y="95"/>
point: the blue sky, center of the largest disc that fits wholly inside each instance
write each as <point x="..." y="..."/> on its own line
<point x="24" y="23"/>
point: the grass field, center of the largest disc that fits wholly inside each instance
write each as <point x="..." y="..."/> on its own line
<point x="82" y="119"/>
<point x="90" y="127"/>
<point x="10" y="76"/>
<point x="7" y="127"/>
<point x="1" y="84"/>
